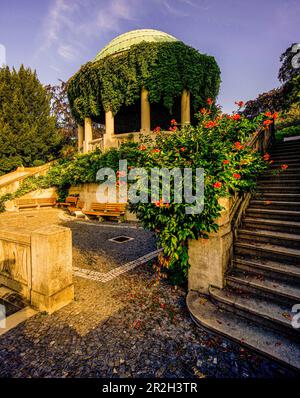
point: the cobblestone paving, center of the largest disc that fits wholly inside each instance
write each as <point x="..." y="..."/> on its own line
<point x="127" y="327"/>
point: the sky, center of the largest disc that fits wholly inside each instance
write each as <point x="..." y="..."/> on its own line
<point x="56" y="37"/>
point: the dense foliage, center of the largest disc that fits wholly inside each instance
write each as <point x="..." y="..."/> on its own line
<point x="28" y="135"/>
<point x="164" y="69"/>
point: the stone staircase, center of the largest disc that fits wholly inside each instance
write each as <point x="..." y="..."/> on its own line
<point x="255" y="307"/>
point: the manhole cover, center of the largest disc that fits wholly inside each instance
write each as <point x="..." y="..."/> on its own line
<point x="121" y="239"/>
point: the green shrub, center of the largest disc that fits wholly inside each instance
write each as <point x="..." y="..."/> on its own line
<point x="287" y="132"/>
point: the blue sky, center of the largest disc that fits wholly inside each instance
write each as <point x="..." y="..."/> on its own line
<point x="56" y="37"/>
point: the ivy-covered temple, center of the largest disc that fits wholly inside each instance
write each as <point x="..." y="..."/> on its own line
<point x="141" y="80"/>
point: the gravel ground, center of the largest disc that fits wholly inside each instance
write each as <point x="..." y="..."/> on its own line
<point x="131" y="326"/>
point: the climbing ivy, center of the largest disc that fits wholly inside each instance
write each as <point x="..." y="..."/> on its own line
<point x="164" y="69"/>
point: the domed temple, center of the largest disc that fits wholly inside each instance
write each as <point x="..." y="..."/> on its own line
<point x="141" y="80"/>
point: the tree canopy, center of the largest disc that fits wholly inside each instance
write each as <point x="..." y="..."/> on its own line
<point x="28" y="134"/>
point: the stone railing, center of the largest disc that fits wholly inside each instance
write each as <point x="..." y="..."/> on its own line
<point x="96" y="144"/>
<point x="11" y="182"/>
<point x="38" y="265"/>
<point x="211" y="258"/>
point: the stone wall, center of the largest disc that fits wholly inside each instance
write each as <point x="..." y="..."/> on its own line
<point x="38" y="265"/>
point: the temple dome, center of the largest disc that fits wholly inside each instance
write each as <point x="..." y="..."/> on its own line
<point x="125" y="41"/>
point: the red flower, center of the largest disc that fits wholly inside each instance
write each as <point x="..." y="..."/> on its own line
<point x="237" y="176"/>
<point x="173" y="122"/>
<point x="240" y="104"/>
<point x="182" y="149"/>
<point x="142" y="147"/>
<point x="268" y="114"/>
<point x="156" y="150"/>
<point x="267" y="122"/>
<point x="217" y="185"/>
<point x="226" y="161"/>
<point x="157" y="204"/>
<point x="203" y="111"/>
<point x="210" y="124"/>
<point x="174" y="128"/>
<point x="275" y="115"/>
<point x="157" y="129"/>
<point x="284" y="166"/>
<point x="239" y="146"/>
<point x="210" y="101"/>
<point x="266" y="157"/>
<point x="236" y="117"/>
<point x="121" y="173"/>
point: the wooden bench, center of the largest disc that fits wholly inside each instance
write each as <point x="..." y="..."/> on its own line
<point x="35" y="203"/>
<point x="101" y="210"/>
<point x="78" y="207"/>
<point x="70" y="201"/>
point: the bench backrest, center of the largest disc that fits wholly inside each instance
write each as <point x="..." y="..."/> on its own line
<point x="72" y="199"/>
<point x="98" y="206"/>
<point x="116" y="207"/>
<point x="51" y="201"/>
<point x="25" y="201"/>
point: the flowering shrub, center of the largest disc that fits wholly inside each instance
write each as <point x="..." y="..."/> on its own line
<point x="218" y="144"/>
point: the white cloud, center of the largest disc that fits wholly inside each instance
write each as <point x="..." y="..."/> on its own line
<point x="69" y="24"/>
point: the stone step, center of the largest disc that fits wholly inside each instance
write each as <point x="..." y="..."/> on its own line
<point x="265" y="286"/>
<point x="276" y="270"/>
<point x="270" y="237"/>
<point x="290" y="170"/>
<point x="284" y="215"/>
<point x="262" y="189"/>
<point x="283" y="182"/>
<point x="280" y="176"/>
<point x="260" y="339"/>
<point x="267" y="251"/>
<point x="271" y="225"/>
<point x="274" y="205"/>
<point x="281" y="197"/>
<point x="276" y="316"/>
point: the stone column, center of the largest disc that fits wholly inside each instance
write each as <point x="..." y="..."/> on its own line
<point x="109" y="130"/>
<point x="80" y="136"/>
<point x="209" y="258"/>
<point x="145" y="112"/>
<point x="51" y="268"/>
<point x="185" y="107"/>
<point x="88" y="133"/>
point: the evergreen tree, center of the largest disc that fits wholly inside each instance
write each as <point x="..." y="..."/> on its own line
<point x="28" y="134"/>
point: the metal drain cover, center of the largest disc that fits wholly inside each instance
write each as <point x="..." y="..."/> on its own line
<point x="121" y="239"/>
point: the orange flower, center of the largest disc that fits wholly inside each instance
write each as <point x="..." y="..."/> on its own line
<point x="210" y="124"/>
<point x="237" y="176"/>
<point x="266" y="157"/>
<point x="182" y="149"/>
<point x="142" y="147"/>
<point x="284" y="166"/>
<point x="268" y="114"/>
<point x="240" y="104"/>
<point x="275" y="115"/>
<point x="217" y="185"/>
<point x="203" y="111"/>
<point x="267" y="122"/>
<point x="236" y="117"/>
<point x="210" y="101"/>
<point x="239" y="146"/>
<point x="226" y="161"/>
<point x="156" y="150"/>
